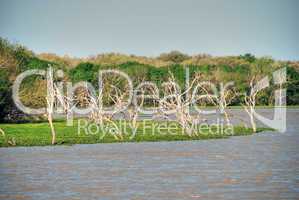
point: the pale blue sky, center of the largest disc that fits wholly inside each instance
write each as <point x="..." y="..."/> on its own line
<point x="217" y="27"/>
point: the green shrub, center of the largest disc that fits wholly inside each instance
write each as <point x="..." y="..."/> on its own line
<point x="5" y="94"/>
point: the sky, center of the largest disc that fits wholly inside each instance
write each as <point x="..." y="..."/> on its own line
<point x="148" y="28"/>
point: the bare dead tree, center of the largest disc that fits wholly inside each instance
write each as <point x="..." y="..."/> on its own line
<point x="250" y="101"/>
<point x="119" y="99"/>
<point x="97" y="113"/>
<point x="132" y="112"/>
<point x="100" y="117"/>
<point x="50" y="98"/>
<point x="176" y="101"/>
<point x="220" y="99"/>
<point x="226" y="97"/>
<point x="66" y="103"/>
<point x="54" y="97"/>
<point x="223" y="98"/>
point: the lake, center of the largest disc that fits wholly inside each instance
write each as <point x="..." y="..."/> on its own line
<point x="260" y="166"/>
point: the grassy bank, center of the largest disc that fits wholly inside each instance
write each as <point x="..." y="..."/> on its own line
<point x="38" y="134"/>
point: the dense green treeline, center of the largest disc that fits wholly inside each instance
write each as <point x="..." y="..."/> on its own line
<point x="240" y="75"/>
<point x="15" y="59"/>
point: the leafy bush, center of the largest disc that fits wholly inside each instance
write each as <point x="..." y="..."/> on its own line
<point x="174" y="56"/>
<point x="5" y="93"/>
<point x="84" y="71"/>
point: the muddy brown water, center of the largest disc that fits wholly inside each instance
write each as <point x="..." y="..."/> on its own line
<point x="261" y="166"/>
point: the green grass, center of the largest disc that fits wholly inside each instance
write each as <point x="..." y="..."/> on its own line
<point x="38" y="134"/>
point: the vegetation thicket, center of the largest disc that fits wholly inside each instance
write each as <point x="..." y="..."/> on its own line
<point x="15" y="58"/>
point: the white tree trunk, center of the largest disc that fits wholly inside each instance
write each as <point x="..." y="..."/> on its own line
<point x="253" y="125"/>
<point x="52" y="129"/>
